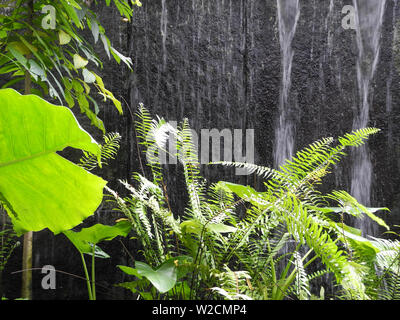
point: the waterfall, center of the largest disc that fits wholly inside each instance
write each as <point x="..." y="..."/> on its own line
<point x="369" y="16"/>
<point x="288" y="16"/>
<point x="163" y="29"/>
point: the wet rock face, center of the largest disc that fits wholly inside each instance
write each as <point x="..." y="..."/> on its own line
<point x="218" y="63"/>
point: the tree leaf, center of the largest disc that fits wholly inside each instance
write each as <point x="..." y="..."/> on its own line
<point x="95" y="30"/>
<point x="194" y="226"/>
<point x="40" y="188"/>
<point x="79" y="62"/>
<point x="88" y="77"/>
<point x="64" y="37"/>
<point x="119" y="56"/>
<point x="19" y="56"/>
<point x="220" y="228"/>
<point x="245" y="192"/>
<point x="36" y="69"/>
<point x="106" y="44"/>
<point x="69" y="99"/>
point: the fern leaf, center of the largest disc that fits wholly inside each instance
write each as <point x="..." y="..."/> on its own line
<point x="109" y="150"/>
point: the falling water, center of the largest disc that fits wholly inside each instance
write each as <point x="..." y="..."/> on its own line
<point x="163" y="29"/>
<point x="369" y="16"/>
<point x="288" y="16"/>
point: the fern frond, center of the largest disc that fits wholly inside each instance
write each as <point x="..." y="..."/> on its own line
<point x="8" y="242"/>
<point x="301" y="284"/>
<point x="108" y="149"/>
<point x="233" y="284"/>
<point x="251" y="168"/>
<point x="152" y="135"/>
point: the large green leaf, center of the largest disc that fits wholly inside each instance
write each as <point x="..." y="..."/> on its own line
<point x="164" y="278"/>
<point x="39" y="188"/>
<point x="87" y="237"/>
<point x="166" y="275"/>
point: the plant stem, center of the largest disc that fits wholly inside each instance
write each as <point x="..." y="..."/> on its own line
<point x="26" y="290"/>
<point x="93" y="274"/>
<point x="87" y="277"/>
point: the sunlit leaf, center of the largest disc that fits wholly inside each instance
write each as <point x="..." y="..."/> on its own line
<point x="64" y="37"/>
<point x="79" y="62"/>
<point x="39" y="188"/>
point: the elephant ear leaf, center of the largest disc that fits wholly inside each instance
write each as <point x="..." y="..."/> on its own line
<point x="39" y="188"/>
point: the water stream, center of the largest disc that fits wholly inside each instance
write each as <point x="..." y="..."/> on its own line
<point x="369" y="16"/>
<point x="288" y="16"/>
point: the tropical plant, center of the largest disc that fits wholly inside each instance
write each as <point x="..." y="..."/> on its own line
<point x="86" y="241"/>
<point x="8" y="242"/>
<point x="236" y="256"/>
<point x="108" y="151"/>
<point x="37" y="184"/>
<point x="292" y="198"/>
<point x="50" y="54"/>
<point x="51" y="57"/>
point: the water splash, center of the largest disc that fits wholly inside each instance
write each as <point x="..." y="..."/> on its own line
<point x="369" y="16"/>
<point x="288" y="16"/>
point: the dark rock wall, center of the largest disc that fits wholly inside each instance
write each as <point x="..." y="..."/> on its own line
<point x="218" y="64"/>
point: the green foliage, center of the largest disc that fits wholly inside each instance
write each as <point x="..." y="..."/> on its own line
<point x="108" y="151"/>
<point x="164" y="277"/>
<point x="233" y="284"/>
<point x="32" y="131"/>
<point x="240" y="257"/>
<point x="48" y="53"/>
<point x="291" y="197"/>
<point x="8" y="242"/>
<point x="86" y="238"/>
<point x="59" y="61"/>
<point x="86" y="241"/>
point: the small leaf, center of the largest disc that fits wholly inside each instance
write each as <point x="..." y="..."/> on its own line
<point x="20" y="47"/>
<point x="69" y="99"/>
<point x="95" y="30"/>
<point x="87" y="88"/>
<point x="119" y="56"/>
<point x="77" y="86"/>
<point x="36" y="69"/>
<point x="17" y="55"/>
<point x="88" y="76"/>
<point x="64" y="37"/>
<point x="220" y="228"/>
<point x="67" y="83"/>
<point x="130" y="271"/>
<point x="79" y="62"/>
<point x="83" y="102"/>
<point x="106" y="44"/>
